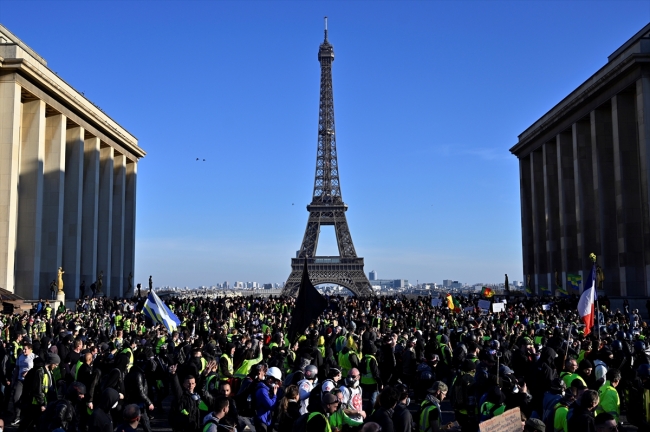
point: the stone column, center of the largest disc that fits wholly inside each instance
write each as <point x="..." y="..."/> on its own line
<point x="629" y="210"/>
<point x="10" y="109"/>
<point x="567" y="195"/>
<point x="552" y="212"/>
<point x="129" y="219"/>
<point x="587" y="234"/>
<point x="53" y="189"/>
<point x="539" y="220"/>
<point x="105" y="215"/>
<point x="604" y="192"/>
<point x="118" y="272"/>
<point x="526" y="193"/>
<point x="643" y="123"/>
<point x="90" y="201"/>
<point x="30" y="199"/>
<point x="72" y="209"/>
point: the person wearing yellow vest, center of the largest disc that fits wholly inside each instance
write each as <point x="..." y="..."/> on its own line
<point x="212" y="421"/>
<point x="348" y="359"/>
<point x="226" y="369"/>
<point x="319" y="421"/>
<point x="430" y="413"/>
<point x="569" y="374"/>
<point x="128" y="351"/>
<point x="609" y="399"/>
<point x="340" y="417"/>
<point x="38" y="389"/>
<point x="250" y="360"/>
<point x="370" y="376"/>
<point x="494" y="405"/>
<point x="48" y="310"/>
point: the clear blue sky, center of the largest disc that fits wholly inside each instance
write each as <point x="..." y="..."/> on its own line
<point x="429" y="96"/>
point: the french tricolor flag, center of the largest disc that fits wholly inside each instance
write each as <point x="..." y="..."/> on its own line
<point x="588" y="301"/>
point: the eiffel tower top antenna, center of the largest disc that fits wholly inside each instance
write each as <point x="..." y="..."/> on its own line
<point x="325" y="29"/>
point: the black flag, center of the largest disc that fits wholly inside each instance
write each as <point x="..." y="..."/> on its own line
<point x="309" y="305"/>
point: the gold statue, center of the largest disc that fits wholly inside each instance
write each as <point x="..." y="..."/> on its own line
<point x="59" y="282"/>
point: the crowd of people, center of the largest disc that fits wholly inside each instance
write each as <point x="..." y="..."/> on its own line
<point x="378" y="364"/>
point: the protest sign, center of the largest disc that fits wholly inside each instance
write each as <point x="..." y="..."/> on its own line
<point x="436" y="302"/>
<point x="546" y="307"/>
<point x="509" y="421"/>
<point x="498" y="307"/>
<point x="484" y="304"/>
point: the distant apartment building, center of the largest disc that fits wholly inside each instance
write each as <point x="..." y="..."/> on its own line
<point x="385" y="284"/>
<point x="372" y="276"/>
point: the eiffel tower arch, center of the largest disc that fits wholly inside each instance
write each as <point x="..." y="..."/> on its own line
<point x="327" y="206"/>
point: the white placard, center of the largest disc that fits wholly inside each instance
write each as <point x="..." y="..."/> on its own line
<point x="498" y="307"/>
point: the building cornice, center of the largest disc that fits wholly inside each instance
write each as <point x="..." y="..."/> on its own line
<point x="590" y="88"/>
<point x="44" y="78"/>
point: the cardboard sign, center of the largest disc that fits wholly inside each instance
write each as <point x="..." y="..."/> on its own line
<point x="436" y="302"/>
<point x="509" y="421"/>
<point x="498" y="307"/>
<point x="484" y="304"/>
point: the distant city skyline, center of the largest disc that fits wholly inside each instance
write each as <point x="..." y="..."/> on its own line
<point x="429" y="97"/>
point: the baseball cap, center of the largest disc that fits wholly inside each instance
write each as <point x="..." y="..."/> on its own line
<point x="329" y="398"/>
<point x="536" y="424"/>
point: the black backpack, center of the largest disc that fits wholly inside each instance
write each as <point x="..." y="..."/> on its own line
<point x="316" y="395"/>
<point x="300" y="425"/>
<point x="462" y="394"/>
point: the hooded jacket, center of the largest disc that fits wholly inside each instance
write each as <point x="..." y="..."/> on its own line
<point x="100" y="420"/>
<point x="265" y="403"/>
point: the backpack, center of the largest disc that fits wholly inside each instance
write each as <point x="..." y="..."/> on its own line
<point x="424" y="372"/>
<point x="316" y="394"/>
<point x="51" y="421"/>
<point x="103" y="380"/>
<point x="300" y="425"/>
<point x="462" y="394"/>
<point x="550" y="420"/>
<point x="294" y="378"/>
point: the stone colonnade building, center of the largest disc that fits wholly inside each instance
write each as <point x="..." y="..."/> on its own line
<point x="67" y="182"/>
<point x="585" y="179"/>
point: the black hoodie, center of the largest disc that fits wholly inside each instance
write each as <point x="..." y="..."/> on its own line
<point x="100" y="420"/>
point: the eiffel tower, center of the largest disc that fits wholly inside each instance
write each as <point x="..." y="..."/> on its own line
<point x="327" y="206"/>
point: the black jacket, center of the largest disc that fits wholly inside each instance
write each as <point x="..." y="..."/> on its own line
<point x="402" y="418"/>
<point x="580" y="419"/>
<point x="384" y="418"/>
<point x="62" y="414"/>
<point x="185" y="414"/>
<point x="33" y="384"/>
<point x="88" y="376"/>
<point x="136" y="387"/>
<point x="100" y="420"/>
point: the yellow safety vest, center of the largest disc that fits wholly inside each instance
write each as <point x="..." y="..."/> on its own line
<point x="230" y="369"/>
<point x="427" y="407"/>
<point x="328" y="428"/>
<point x="367" y="377"/>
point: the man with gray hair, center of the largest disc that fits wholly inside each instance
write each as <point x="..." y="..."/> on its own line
<point x="430" y="414"/>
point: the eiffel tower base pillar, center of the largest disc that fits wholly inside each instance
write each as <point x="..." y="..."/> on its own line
<point x="346" y="272"/>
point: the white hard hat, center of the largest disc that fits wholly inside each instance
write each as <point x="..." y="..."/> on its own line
<point x="275" y="373"/>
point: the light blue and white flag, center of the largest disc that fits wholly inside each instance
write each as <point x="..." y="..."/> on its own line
<point x="159" y="313"/>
